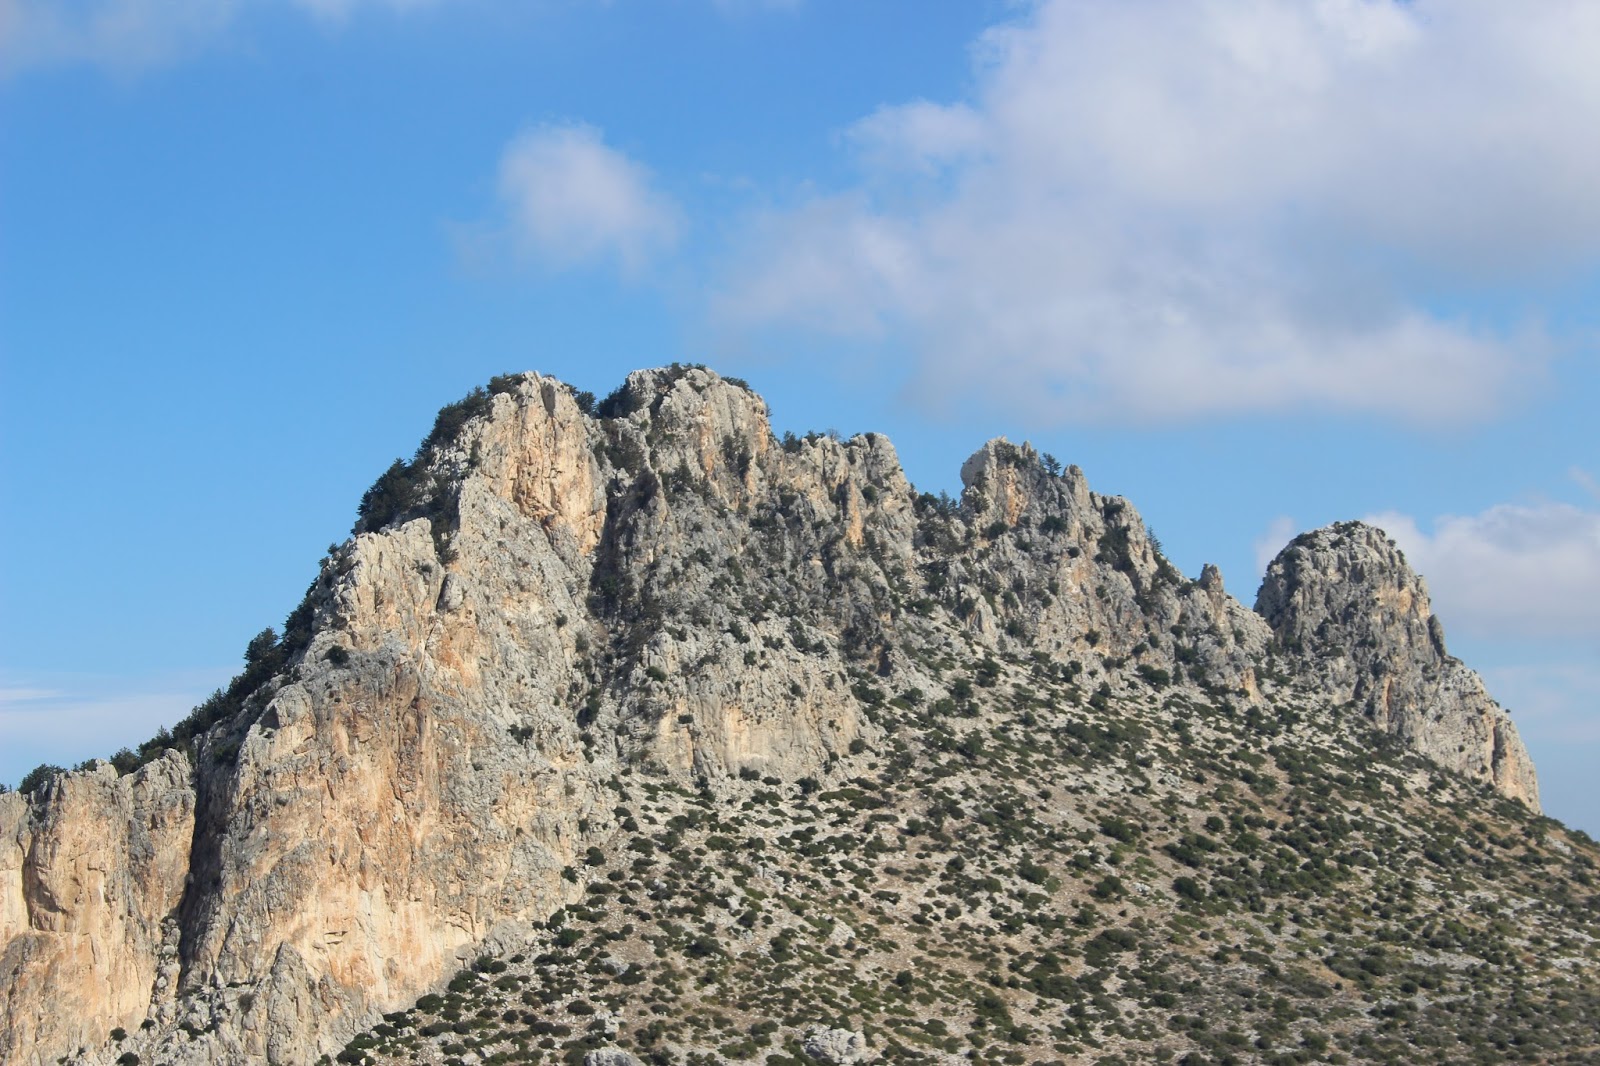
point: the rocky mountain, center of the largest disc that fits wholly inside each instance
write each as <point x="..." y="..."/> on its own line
<point x="628" y="731"/>
<point x="1346" y="604"/>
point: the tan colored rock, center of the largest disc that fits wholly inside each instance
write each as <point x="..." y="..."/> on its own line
<point x="91" y="872"/>
<point x="384" y="815"/>
<point x="537" y="452"/>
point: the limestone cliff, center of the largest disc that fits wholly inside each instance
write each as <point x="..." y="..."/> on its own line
<point x="92" y="871"/>
<point x="1349" y="611"/>
<point x="551" y="593"/>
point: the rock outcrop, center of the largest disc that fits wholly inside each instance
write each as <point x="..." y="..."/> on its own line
<point x="1050" y="565"/>
<point x="837" y="1047"/>
<point x="92" y="870"/>
<point x="551" y="594"/>
<point x="1349" y="611"/>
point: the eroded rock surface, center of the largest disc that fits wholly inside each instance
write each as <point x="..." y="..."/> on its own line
<point x="92" y="870"/>
<point x="837" y="1047"/>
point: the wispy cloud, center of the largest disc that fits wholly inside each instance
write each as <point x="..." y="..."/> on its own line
<point x="122" y="35"/>
<point x="338" y="10"/>
<point x="571" y="200"/>
<point x="131" y="35"/>
<point x="1586" y="481"/>
<point x="65" y="720"/>
<point x="740" y="7"/>
<point x="1169" y="209"/>
<point x="12" y="696"/>
<point x="1554" y="701"/>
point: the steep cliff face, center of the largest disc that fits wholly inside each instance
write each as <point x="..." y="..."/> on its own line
<point x="552" y="595"/>
<point x="432" y="765"/>
<point x="1349" y="611"/>
<point x="92" y="869"/>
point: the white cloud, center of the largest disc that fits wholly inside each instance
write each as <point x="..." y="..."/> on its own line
<point x="920" y="136"/>
<point x="572" y="200"/>
<point x="1513" y="572"/>
<point x="1170" y="208"/>
<point x="1279" y="532"/>
<point x="120" y="34"/>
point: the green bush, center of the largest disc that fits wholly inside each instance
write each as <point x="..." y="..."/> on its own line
<point x="1154" y="675"/>
<point x="38" y="776"/>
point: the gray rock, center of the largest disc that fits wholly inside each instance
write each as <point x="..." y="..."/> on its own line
<point x="838" y="1047"/>
<point x="610" y="1056"/>
<point x="1347" y="609"/>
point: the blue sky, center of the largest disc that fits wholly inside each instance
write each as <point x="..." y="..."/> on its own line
<point x="1258" y="266"/>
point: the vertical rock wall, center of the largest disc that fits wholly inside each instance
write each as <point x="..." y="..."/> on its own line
<point x="92" y="870"/>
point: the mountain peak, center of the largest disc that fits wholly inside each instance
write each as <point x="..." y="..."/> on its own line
<point x="1343" y="602"/>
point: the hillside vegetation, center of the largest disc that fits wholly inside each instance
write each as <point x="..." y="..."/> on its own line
<point x="1056" y="868"/>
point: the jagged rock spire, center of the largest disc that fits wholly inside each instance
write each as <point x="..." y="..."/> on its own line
<point x="1343" y="603"/>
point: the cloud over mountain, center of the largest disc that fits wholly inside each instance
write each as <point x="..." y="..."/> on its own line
<point x="1513" y="571"/>
<point x="573" y="200"/>
<point x="1161" y="210"/>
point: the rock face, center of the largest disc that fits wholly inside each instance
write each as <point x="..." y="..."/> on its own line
<point x="1349" y="611"/>
<point x="837" y="1047"/>
<point x="550" y="594"/>
<point x="1050" y="565"/>
<point x="610" y="1057"/>
<point x="92" y="871"/>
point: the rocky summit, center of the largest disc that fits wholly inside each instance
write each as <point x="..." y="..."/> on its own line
<point x="627" y="732"/>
